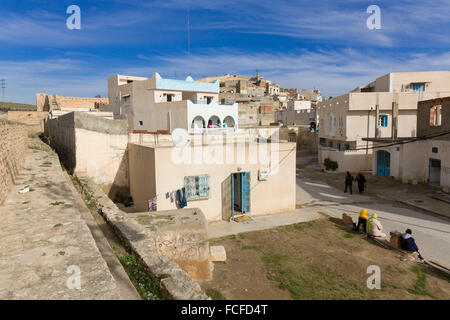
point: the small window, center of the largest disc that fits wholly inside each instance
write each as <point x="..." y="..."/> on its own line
<point x="197" y="187"/>
<point x="434" y="150"/>
<point x="418" y="87"/>
<point x="169" y="97"/>
<point x="347" y="147"/>
<point x="341" y="122"/>
<point x="127" y="100"/>
<point x="330" y="144"/>
<point x="339" y="147"/>
<point x="141" y="123"/>
<point x="435" y="116"/>
<point x="209" y="100"/>
<point x="383" y="121"/>
<point x="323" y="142"/>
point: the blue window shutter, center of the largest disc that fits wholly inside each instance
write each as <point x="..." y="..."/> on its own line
<point x="203" y="190"/>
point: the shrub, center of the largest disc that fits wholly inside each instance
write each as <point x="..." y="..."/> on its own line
<point x="330" y="164"/>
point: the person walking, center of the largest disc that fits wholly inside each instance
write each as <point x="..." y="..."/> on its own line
<point x="349" y="182"/>
<point x="361" y="180"/>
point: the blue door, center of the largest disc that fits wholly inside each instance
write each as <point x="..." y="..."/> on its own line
<point x="246" y="192"/>
<point x="240" y="193"/>
<point x="383" y="164"/>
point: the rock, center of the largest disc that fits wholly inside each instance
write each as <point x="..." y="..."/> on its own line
<point x="218" y="254"/>
<point x="347" y="219"/>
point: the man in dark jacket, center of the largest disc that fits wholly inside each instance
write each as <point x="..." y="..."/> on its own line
<point x="408" y="243"/>
<point x="348" y="182"/>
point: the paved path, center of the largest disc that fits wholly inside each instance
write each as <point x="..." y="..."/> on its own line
<point x="432" y="234"/>
<point x="220" y="229"/>
<point x="42" y="233"/>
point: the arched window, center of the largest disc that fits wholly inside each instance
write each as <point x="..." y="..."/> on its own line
<point x="229" y="122"/>
<point x="198" y="123"/>
<point x="214" y="122"/>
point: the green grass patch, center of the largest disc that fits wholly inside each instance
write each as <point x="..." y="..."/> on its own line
<point x="314" y="282"/>
<point x="46" y="164"/>
<point x="257" y="248"/>
<point x="420" y="284"/>
<point x="61" y="253"/>
<point x="348" y="235"/>
<point x="57" y="225"/>
<point x="147" y="287"/>
<point x="57" y="203"/>
<point x="215" y="294"/>
<point x="26" y="202"/>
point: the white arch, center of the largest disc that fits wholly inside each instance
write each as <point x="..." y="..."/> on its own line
<point x="229" y="121"/>
<point x="215" y="121"/>
<point x="198" y="123"/>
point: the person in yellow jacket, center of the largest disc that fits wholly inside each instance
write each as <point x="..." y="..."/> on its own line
<point x="374" y="227"/>
<point x="362" y="221"/>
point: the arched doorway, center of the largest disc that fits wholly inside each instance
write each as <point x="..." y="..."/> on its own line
<point x="198" y="123"/>
<point x="229" y="122"/>
<point x="214" y="122"/>
<point x="383" y="163"/>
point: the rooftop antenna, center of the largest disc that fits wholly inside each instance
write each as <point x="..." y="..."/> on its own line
<point x="189" y="28"/>
<point x="3" y="84"/>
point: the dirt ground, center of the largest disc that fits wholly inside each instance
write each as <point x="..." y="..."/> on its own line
<point x="317" y="260"/>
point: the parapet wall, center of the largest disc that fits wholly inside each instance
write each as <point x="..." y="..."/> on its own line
<point x="33" y="120"/>
<point x="13" y="148"/>
<point x="43" y="101"/>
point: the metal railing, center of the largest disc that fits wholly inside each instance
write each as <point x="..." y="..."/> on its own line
<point x="211" y="102"/>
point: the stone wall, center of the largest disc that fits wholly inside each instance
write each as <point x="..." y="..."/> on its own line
<point x="33" y="120"/>
<point x="43" y="101"/>
<point x="13" y="147"/>
<point x="176" y="283"/>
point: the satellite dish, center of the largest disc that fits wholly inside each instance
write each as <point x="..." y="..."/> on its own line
<point x="180" y="137"/>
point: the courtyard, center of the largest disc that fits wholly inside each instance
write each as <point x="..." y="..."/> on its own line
<point x="319" y="259"/>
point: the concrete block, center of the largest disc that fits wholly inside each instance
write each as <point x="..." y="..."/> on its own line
<point x="218" y="254"/>
<point x="395" y="239"/>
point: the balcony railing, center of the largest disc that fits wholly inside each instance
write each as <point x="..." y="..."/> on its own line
<point x="212" y="130"/>
<point x="206" y="102"/>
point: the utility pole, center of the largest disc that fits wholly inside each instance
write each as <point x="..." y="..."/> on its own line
<point x="3" y="84"/>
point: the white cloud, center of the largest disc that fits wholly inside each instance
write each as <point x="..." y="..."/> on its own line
<point x="334" y="72"/>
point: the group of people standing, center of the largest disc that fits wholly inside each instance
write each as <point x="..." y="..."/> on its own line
<point x="360" y="179"/>
<point x="373" y="228"/>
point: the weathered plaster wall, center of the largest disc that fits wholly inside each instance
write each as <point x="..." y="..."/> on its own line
<point x="93" y="146"/>
<point x="170" y="170"/>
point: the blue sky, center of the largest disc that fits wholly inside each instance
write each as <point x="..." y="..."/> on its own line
<point x="301" y="44"/>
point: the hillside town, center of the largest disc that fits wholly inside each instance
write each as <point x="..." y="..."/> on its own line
<point x="183" y="179"/>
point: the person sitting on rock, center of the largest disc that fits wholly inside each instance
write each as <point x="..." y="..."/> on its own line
<point x="374" y="228"/>
<point x="362" y="221"/>
<point x="409" y="244"/>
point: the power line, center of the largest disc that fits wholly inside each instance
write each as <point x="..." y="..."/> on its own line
<point x="411" y="140"/>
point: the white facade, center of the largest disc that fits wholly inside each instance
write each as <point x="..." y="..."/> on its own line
<point x="158" y="104"/>
<point x="296" y="105"/>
